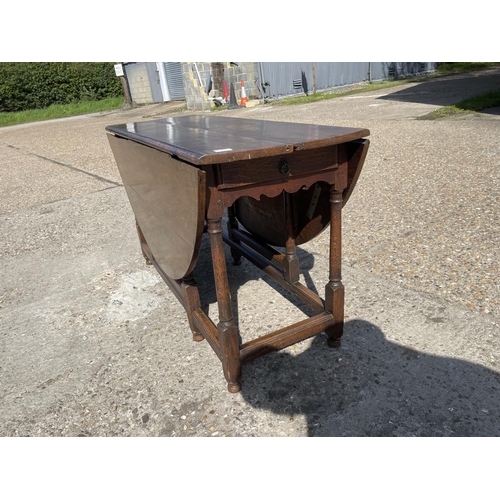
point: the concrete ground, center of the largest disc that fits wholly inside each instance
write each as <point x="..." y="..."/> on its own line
<point x="93" y="343"/>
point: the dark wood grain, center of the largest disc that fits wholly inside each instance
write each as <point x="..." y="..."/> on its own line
<point x="284" y="337"/>
<point x="170" y="218"/>
<point x="266" y="217"/>
<point x="206" y="139"/>
<point x="283" y="182"/>
<point x="356" y="152"/>
<point x="302" y="163"/>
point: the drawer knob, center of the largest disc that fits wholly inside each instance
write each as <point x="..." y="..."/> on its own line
<point x="284" y="167"/>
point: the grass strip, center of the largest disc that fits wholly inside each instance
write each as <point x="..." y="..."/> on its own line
<point x="321" y="96"/>
<point x="471" y="105"/>
<point x="60" y="111"/>
<point x="463" y="67"/>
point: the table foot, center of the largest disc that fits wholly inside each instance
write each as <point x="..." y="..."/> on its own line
<point x="230" y="350"/>
<point x="234" y="388"/>
<point x="236" y="257"/>
<point x="334" y="303"/>
<point x="335" y="343"/>
<point x="190" y="299"/>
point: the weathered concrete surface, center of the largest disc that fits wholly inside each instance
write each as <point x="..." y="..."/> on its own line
<point x="93" y="343"/>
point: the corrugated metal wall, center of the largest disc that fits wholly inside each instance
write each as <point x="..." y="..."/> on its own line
<point x="174" y="81"/>
<point x="337" y="74"/>
<point x="279" y="79"/>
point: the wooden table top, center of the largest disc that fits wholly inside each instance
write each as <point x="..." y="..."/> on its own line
<point x="204" y="139"/>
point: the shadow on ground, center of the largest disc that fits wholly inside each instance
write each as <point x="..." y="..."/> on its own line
<point x="374" y="387"/>
<point x="451" y="90"/>
<point x="370" y="386"/>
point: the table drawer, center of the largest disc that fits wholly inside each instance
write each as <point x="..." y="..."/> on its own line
<point x="275" y="168"/>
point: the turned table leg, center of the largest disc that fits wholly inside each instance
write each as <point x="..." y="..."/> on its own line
<point x="291" y="264"/>
<point x="227" y="329"/>
<point x="191" y="303"/>
<point x="334" y="291"/>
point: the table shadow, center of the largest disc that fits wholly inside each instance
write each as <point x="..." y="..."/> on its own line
<point x="374" y="387"/>
<point x="371" y="386"/>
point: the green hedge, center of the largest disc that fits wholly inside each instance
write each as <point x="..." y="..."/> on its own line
<point x="40" y="84"/>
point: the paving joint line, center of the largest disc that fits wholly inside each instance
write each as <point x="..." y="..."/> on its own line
<point x="67" y="165"/>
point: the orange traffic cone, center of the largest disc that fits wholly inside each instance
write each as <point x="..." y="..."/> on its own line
<point x="244" y="98"/>
<point x="225" y="90"/>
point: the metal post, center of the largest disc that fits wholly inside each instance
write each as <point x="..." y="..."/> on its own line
<point x="314" y="77"/>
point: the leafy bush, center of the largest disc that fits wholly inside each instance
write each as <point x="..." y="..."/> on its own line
<point x="40" y="84"/>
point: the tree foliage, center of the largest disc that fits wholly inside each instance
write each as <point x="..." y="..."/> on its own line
<point x="37" y="85"/>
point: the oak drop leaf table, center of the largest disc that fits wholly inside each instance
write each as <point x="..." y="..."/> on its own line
<point x="281" y="185"/>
